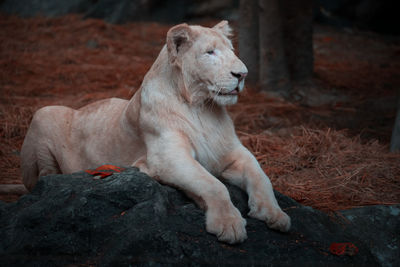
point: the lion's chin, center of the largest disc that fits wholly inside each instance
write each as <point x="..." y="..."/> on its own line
<point x="225" y="100"/>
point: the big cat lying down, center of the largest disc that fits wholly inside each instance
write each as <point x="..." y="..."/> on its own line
<point x="175" y="128"/>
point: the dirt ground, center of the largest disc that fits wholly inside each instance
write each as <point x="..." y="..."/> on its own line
<point x="328" y="149"/>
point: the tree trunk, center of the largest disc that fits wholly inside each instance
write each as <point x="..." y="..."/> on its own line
<point x="274" y="73"/>
<point x="297" y="31"/>
<point x="395" y="142"/>
<point x="275" y="42"/>
<point x="248" y="38"/>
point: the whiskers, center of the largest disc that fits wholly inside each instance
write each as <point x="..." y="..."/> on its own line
<point x="214" y="98"/>
<point x="206" y="95"/>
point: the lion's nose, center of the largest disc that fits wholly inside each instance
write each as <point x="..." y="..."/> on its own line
<point x="239" y="75"/>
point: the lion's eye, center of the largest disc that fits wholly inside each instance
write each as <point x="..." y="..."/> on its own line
<point x="210" y="52"/>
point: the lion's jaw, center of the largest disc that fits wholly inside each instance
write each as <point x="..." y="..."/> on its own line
<point x="210" y="68"/>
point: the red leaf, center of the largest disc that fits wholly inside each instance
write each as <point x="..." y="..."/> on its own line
<point x="109" y="167"/>
<point x="105" y="170"/>
<point x="343" y="249"/>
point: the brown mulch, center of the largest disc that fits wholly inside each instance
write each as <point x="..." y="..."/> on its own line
<point x="306" y="151"/>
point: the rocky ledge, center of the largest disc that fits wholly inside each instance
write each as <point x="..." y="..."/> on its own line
<point x="130" y="219"/>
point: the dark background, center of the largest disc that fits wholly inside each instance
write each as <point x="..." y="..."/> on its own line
<point x="372" y="15"/>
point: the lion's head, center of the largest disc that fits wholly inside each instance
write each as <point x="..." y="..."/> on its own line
<point x="204" y="56"/>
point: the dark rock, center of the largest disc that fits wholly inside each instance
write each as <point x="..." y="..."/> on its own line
<point x="128" y="218"/>
<point x="123" y="11"/>
<point x="371" y="15"/>
<point x="110" y="10"/>
<point x="379" y="227"/>
<point x="29" y="8"/>
<point x="120" y="11"/>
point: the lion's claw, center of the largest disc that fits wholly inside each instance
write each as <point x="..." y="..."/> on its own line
<point x="229" y="228"/>
<point x="275" y="218"/>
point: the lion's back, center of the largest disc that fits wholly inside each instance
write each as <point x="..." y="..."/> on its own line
<point x="51" y="119"/>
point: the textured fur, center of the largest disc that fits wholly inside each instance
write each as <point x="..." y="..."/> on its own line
<point x="175" y="128"/>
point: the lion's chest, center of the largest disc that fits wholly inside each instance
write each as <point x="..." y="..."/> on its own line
<point x="212" y="139"/>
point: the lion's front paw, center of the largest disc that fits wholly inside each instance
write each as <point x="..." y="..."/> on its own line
<point x="229" y="227"/>
<point x="274" y="217"/>
<point x="280" y="221"/>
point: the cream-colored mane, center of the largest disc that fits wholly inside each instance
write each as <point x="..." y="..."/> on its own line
<point x="175" y="128"/>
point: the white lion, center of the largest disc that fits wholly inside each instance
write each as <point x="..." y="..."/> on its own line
<point x="175" y="128"/>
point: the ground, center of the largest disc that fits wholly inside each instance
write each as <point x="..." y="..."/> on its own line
<point x="328" y="148"/>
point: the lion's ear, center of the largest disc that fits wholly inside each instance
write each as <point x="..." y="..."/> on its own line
<point x="179" y="39"/>
<point x="224" y="27"/>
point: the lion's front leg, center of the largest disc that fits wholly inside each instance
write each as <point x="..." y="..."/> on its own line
<point x="170" y="160"/>
<point x="245" y="172"/>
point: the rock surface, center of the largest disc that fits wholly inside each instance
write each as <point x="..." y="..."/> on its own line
<point x="379" y="228"/>
<point x="128" y="218"/>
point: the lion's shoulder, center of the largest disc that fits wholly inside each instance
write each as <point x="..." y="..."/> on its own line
<point x="103" y="104"/>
